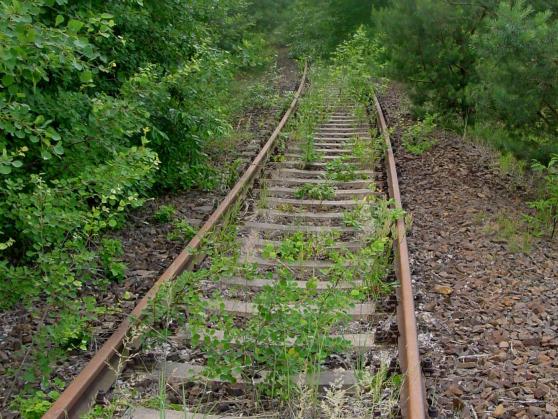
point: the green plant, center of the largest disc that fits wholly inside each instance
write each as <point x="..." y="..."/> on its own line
<point x="311" y="111"/>
<point x="511" y="231"/>
<point x="510" y="165"/>
<point x="99" y="102"/>
<point x="547" y="206"/>
<point x="35" y="405"/>
<point x="371" y="263"/>
<point x="182" y="231"/>
<point x="340" y="170"/>
<point x="285" y="313"/>
<point x="470" y="65"/>
<point x="367" y="152"/>
<point x="232" y="173"/>
<point x="164" y="213"/>
<point x="111" y="251"/>
<point x="416" y="139"/>
<point x="523" y="97"/>
<point x="309" y="154"/>
<point x="319" y="191"/>
<point x="375" y="394"/>
<point x="293" y="330"/>
<point x="315" y="28"/>
<point x="301" y="246"/>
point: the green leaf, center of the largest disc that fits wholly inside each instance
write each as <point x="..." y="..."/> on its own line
<point x="77" y="65"/>
<point x="5" y="170"/>
<point x="59" y="20"/>
<point x="8" y="80"/>
<point x="39" y="120"/>
<point x="52" y="134"/>
<point x="5" y="245"/>
<point x="17" y="163"/>
<point x="46" y="155"/>
<point x="86" y="76"/>
<point x="58" y="149"/>
<point x="74" y="26"/>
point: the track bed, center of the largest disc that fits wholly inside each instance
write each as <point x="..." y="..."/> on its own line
<point x="289" y="308"/>
<point x="277" y="212"/>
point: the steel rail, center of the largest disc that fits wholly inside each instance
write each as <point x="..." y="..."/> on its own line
<point x="413" y="395"/>
<point x="100" y="372"/>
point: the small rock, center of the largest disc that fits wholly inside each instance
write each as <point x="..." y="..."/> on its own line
<point x="500" y="356"/>
<point x="443" y="289"/>
<point x="204" y="208"/>
<point x="534" y="411"/>
<point x="499" y="411"/>
<point x="455" y="390"/>
<point x="430" y="306"/>
<point x="541" y="391"/>
<point x="543" y="359"/>
<point x="467" y="365"/>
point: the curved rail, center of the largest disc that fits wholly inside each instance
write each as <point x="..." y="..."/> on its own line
<point x="413" y="400"/>
<point x="101" y="371"/>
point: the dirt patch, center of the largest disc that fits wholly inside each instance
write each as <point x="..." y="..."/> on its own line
<point x="148" y="249"/>
<point x="487" y="309"/>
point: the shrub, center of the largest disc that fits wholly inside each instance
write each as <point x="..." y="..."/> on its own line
<point x="416" y="139"/>
<point x="320" y="191"/>
<point x="547" y="206"/>
<point x="164" y="214"/>
<point x="99" y="102"/>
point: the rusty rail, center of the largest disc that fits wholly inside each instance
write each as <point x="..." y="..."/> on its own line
<point x="413" y="400"/>
<point x="100" y="372"/>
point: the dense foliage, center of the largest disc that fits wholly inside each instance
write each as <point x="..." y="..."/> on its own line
<point x="518" y="77"/>
<point x="492" y="63"/>
<point x="84" y="89"/>
<point x="100" y="101"/>
<point x="314" y="28"/>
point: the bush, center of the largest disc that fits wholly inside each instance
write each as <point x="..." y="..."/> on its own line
<point x="416" y="139"/>
<point x="547" y="206"/>
<point x="99" y="102"/>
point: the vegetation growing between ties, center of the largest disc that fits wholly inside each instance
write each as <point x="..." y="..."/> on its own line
<point x="293" y="330"/>
<point x="320" y="191"/>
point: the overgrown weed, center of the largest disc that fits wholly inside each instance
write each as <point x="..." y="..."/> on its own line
<point x="514" y="232"/>
<point x="417" y="139"/>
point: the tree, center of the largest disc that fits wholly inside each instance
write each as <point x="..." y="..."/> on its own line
<point x="314" y="28"/>
<point x="518" y="75"/>
<point x="428" y="46"/>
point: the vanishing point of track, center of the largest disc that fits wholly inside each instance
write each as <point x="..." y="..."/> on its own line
<point x="331" y="141"/>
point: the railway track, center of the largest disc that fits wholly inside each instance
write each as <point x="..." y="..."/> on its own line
<point x="286" y="309"/>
